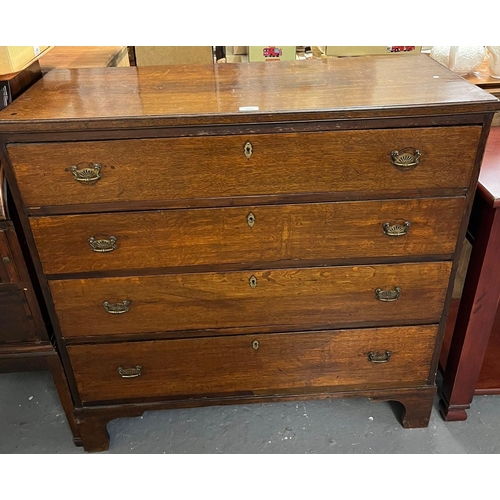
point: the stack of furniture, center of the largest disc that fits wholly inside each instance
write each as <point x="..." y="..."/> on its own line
<point x="256" y="233"/>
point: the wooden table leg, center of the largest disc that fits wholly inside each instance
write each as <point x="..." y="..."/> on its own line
<point x="475" y="318"/>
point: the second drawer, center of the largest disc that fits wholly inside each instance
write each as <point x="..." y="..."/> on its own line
<point x="247" y="235"/>
<point x="278" y="299"/>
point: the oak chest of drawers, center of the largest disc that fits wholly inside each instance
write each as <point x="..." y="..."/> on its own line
<point x="242" y="233"/>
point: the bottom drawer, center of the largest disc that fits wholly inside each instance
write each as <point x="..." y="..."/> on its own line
<point x="259" y="364"/>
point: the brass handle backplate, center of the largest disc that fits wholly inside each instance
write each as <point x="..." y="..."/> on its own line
<point x="396" y="229"/>
<point x="117" y="308"/>
<point x="86" y="172"/>
<point x="378" y="357"/>
<point x="388" y="295"/>
<point x="248" y="150"/>
<point x="406" y="158"/>
<point x="129" y="372"/>
<point x="103" y="245"/>
<point x="252" y="281"/>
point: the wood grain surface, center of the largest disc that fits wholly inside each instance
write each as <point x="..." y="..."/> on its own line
<point x="309" y="232"/>
<point x="283" y="299"/>
<point x="307" y="362"/>
<point x="213" y="94"/>
<point x="216" y="167"/>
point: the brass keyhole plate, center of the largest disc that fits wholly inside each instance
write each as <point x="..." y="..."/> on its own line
<point x="248" y="149"/>
<point x="252" y="281"/>
<point x="251" y="219"/>
<point x="255" y="344"/>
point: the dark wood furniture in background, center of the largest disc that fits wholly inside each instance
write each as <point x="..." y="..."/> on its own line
<point x="14" y="84"/>
<point x="224" y="234"/>
<point x="24" y="323"/>
<point x="25" y="328"/>
<point x="470" y="358"/>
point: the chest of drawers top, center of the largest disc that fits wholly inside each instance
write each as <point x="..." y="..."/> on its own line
<point x="331" y="89"/>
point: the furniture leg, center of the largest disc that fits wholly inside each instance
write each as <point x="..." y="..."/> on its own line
<point x="93" y="433"/>
<point x="416" y="406"/>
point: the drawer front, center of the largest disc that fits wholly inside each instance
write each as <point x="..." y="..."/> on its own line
<point x="254" y="364"/>
<point x="279" y="299"/>
<point x="216" y="167"/>
<point x="244" y="235"/>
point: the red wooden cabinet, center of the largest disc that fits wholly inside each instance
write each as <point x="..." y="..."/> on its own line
<point x="470" y="355"/>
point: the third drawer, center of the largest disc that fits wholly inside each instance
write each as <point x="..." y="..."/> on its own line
<point x="277" y="299"/>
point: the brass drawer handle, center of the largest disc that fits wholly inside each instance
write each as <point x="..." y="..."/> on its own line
<point x="129" y="372"/>
<point x="396" y="229"/>
<point x="103" y="245"/>
<point x="117" y="308"/>
<point x="388" y="295"/>
<point x="405" y="159"/>
<point x="91" y="172"/>
<point x="252" y="282"/>
<point x="251" y="219"/>
<point x="377" y="357"/>
<point x="248" y="150"/>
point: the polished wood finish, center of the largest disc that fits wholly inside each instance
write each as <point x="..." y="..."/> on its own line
<point x="83" y="57"/>
<point x="175" y="137"/>
<point x="288" y="298"/>
<point x="464" y="371"/>
<point x="216" y="167"/>
<point x="208" y="367"/>
<point x="286" y="233"/>
<point x="336" y="89"/>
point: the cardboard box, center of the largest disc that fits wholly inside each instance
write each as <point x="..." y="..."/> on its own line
<point x="371" y="50"/>
<point x="159" y="56"/>
<point x="237" y="59"/>
<point x="15" y="84"/>
<point x="236" y="50"/>
<point x="14" y="59"/>
<point x="271" y="53"/>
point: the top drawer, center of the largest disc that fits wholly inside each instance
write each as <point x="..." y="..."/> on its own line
<point x="175" y="169"/>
